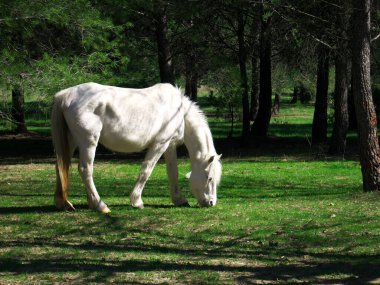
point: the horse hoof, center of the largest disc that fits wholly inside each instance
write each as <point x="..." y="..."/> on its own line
<point x="186" y="204"/>
<point x="63" y="205"/>
<point x="105" y="210"/>
<point x="180" y="202"/>
<point x="68" y="206"/>
<point x="102" y="208"/>
<point x="140" y="206"/>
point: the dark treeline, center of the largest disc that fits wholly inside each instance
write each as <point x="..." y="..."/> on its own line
<point x="238" y="48"/>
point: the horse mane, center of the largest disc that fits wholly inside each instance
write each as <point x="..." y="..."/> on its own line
<point x="192" y="110"/>
<point x="196" y="119"/>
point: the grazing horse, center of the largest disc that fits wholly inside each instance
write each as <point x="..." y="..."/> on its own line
<point x="156" y="119"/>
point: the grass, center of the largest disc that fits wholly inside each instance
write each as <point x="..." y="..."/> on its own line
<point x="294" y="120"/>
<point x="278" y="221"/>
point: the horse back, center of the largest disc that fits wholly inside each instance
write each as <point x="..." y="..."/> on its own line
<point x="126" y="120"/>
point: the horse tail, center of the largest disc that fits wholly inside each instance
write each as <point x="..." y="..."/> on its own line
<point x="60" y="139"/>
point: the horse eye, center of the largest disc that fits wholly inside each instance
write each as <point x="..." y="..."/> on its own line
<point x="209" y="179"/>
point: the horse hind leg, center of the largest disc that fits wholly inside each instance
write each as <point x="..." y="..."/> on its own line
<point x="87" y="136"/>
<point x="85" y="167"/>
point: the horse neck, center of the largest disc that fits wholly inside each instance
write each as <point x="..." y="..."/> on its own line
<point x="198" y="138"/>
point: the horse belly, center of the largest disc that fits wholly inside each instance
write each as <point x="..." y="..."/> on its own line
<point x="122" y="143"/>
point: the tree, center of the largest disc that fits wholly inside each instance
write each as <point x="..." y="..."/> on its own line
<point x="191" y="85"/>
<point x="165" y="58"/>
<point x="340" y="128"/>
<point x="49" y="45"/>
<point x="191" y="44"/>
<point x="242" y="54"/>
<point x="341" y="114"/>
<point x="352" y="122"/>
<point x="255" y="65"/>
<point x="261" y="124"/>
<point x="18" y="109"/>
<point x="319" y="127"/>
<point x="361" y="87"/>
<point x="228" y="36"/>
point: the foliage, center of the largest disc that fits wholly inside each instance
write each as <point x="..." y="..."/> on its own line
<point x="302" y="93"/>
<point x="226" y="82"/>
<point x="286" y="78"/>
<point x="49" y="45"/>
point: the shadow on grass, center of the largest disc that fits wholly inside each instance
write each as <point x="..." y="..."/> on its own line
<point x="32" y="209"/>
<point x="131" y="248"/>
<point x="331" y="269"/>
<point x="52" y="208"/>
<point x="36" y="209"/>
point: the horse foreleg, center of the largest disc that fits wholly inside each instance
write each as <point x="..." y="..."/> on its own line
<point x="172" y="171"/>
<point x="85" y="167"/>
<point x="150" y="160"/>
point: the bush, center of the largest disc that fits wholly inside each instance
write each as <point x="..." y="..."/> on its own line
<point x="301" y="92"/>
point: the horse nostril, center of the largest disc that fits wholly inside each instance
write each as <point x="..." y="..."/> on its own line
<point x="211" y="203"/>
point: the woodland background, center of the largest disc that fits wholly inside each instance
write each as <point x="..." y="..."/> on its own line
<point x="242" y="57"/>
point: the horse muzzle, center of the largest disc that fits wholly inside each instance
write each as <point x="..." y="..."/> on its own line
<point x="208" y="203"/>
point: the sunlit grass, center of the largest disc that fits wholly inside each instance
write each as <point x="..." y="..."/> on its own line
<point x="277" y="221"/>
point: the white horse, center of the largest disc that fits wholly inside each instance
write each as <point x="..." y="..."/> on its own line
<point x="155" y="119"/>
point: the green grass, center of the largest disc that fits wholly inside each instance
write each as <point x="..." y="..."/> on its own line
<point x="294" y="120"/>
<point x="278" y="221"/>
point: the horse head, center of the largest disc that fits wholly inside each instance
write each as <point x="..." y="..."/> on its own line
<point x="204" y="180"/>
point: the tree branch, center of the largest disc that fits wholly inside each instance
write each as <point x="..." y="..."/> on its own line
<point x="320" y="41"/>
<point x="375" y="38"/>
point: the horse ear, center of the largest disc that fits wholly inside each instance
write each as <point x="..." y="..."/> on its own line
<point x="188" y="175"/>
<point x="212" y="158"/>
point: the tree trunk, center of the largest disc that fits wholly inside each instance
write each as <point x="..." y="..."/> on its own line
<point x="254" y="108"/>
<point x="243" y="76"/>
<point x="18" y="110"/>
<point x="319" y="128"/>
<point x="163" y="46"/>
<point x="338" y="139"/>
<point x="340" y="129"/>
<point x="296" y="93"/>
<point x="276" y="104"/>
<point x="361" y="87"/>
<point x="191" y="85"/>
<point x="352" y="122"/>
<point x="194" y="87"/>
<point x="261" y="124"/>
<point x="255" y="60"/>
